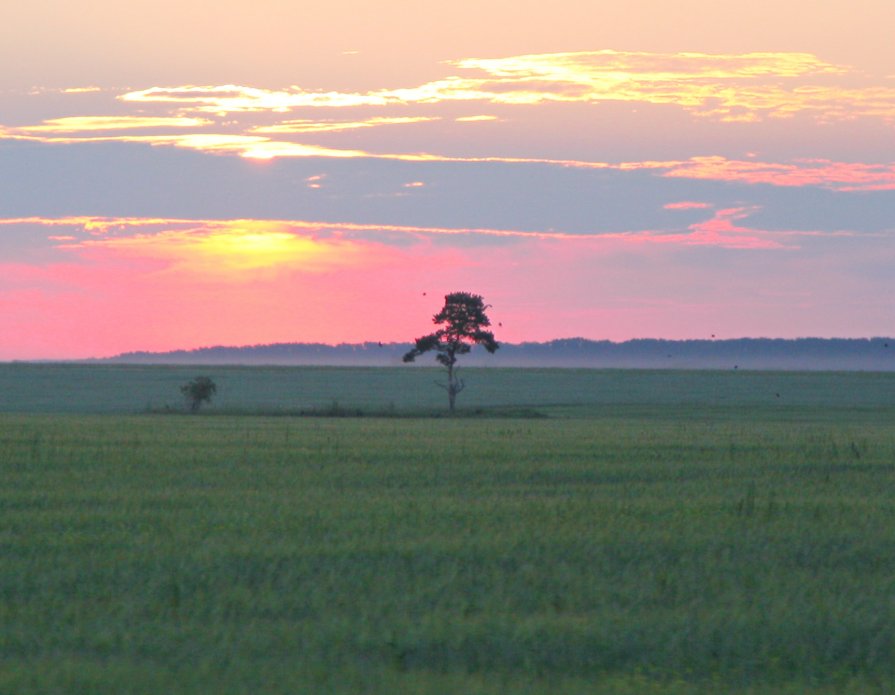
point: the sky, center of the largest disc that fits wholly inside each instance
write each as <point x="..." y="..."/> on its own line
<point x="183" y="174"/>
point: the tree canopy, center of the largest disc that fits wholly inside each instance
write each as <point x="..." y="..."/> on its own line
<point x="198" y="391"/>
<point x="464" y="323"/>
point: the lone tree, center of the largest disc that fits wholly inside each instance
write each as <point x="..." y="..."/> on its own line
<point x="464" y="321"/>
<point x="198" y="391"/>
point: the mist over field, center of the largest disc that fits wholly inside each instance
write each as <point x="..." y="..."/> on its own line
<point x="805" y="354"/>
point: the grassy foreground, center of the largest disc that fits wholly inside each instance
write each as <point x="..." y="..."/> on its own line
<point x="666" y="551"/>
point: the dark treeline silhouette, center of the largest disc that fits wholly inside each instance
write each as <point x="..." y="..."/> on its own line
<point x="742" y="353"/>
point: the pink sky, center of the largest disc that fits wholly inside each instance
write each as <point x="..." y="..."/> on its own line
<point x="274" y="173"/>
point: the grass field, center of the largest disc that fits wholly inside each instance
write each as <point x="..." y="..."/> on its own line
<point x="74" y="388"/>
<point x="654" y="533"/>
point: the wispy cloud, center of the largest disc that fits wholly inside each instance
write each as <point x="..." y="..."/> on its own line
<point x="726" y="87"/>
<point x="687" y="205"/>
<point x="722" y="230"/>
<point x="249" y="146"/>
<point x="243" y="236"/>
<point x="834" y="175"/>
<point x="82" y="90"/>
<point x="842" y="176"/>
<point x="476" y="119"/>
<point x="333" y="126"/>
<point x="89" y="124"/>
<point x="262" y="124"/>
<point x="235" y="250"/>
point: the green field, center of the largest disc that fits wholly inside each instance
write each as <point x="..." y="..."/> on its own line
<point x="649" y="532"/>
<point x="74" y="388"/>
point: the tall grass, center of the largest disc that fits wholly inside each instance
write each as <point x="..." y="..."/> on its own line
<point x="632" y="554"/>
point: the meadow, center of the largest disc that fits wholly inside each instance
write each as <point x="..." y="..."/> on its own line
<point x="576" y="532"/>
<point x="124" y="389"/>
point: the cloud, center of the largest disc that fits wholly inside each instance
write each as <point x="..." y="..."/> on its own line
<point x="236" y="250"/>
<point x="656" y="66"/>
<point x="841" y="176"/>
<point x="250" y="244"/>
<point x="331" y="126"/>
<point x="687" y="205"/>
<point x="231" y="98"/>
<point x="261" y="123"/>
<point x="721" y="230"/>
<point x="80" y="124"/>
<point x="835" y="175"/>
<point x="726" y="87"/>
<point x="249" y="146"/>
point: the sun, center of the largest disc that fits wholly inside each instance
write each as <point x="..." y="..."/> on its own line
<point x="247" y="249"/>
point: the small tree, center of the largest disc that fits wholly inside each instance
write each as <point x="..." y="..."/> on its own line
<point x="464" y="320"/>
<point x="198" y="391"/>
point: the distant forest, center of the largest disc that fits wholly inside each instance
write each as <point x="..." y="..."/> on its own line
<point x="872" y="354"/>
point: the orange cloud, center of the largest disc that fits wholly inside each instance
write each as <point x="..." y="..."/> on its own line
<point x="79" y="124"/>
<point x="230" y="98"/>
<point x="475" y="119"/>
<point x="687" y="205"/>
<point x="657" y="66"/>
<point x="249" y="146"/>
<point x="250" y="245"/>
<point x="236" y="250"/>
<point x="721" y="230"/>
<point x="843" y="176"/>
<point x="330" y="126"/>
<point x="727" y="87"/>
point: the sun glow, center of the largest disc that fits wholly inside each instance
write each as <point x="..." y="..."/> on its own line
<point x="213" y="247"/>
<point x="235" y="249"/>
<point x="252" y="249"/>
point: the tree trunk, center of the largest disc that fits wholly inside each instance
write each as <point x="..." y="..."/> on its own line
<point x="451" y="389"/>
<point x="454" y="385"/>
